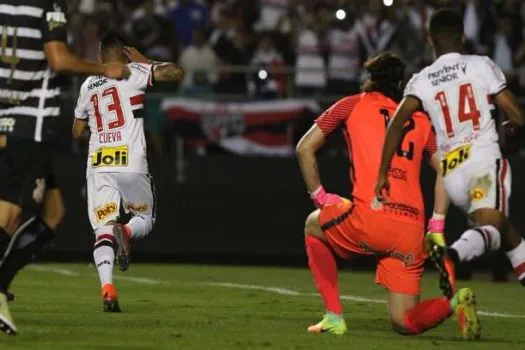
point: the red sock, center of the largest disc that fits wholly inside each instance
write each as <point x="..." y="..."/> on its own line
<point x="324" y="271"/>
<point x="427" y="314"/>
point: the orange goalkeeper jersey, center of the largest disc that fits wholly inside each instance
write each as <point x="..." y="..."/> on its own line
<point x="365" y="118"/>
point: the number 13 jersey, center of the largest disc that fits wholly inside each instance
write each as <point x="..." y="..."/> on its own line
<point x="115" y="110"/>
<point x="457" y="91"/>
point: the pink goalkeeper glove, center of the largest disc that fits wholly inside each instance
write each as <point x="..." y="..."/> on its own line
<point x="436" y="225"/>
<point x="321" y="198"/>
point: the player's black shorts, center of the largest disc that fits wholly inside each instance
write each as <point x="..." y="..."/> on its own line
<point x="25" y="172"/>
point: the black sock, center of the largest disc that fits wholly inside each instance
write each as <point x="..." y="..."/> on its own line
<point x="4" y="241"/>
<point x="25" y="244"/>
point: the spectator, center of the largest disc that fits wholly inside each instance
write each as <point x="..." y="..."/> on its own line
<point x="344" y="60"/>
<point x="503" y="44"/>
<point x="310" y="69"/>
<point x="375" y="29"/>
<point x="271" y="13"/>
<point x="200" y="64"/>
<point x="88" y="43"/>
<point x="188" y="15"/>
<point x="267" y="66"/>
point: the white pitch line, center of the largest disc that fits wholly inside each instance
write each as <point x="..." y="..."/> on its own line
<point x="277" y="290"/>
<point x="141" y="280"/>
<point x="286" y="291"/>
<point x="60" y="271"/>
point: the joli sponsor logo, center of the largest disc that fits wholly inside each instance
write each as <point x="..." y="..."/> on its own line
<point x="110" y="156"/>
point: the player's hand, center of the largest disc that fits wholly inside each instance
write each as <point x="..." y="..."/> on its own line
<point x="116" y="70"/>
<point x="321" y="198"/>
<point x="382" y="188"/>
<point x="135" y="55"/>
<point x="434" y="238"/>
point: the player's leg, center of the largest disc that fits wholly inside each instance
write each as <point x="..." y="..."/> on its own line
<point x="103" y="210"/>
<point x="53" y="210"/>
<point x="401" y="277"/>
<point x="22" y="176"/>
<point x="320" y="228"/>
<point x="489" y="203"/>
<point x="139" y="198"/>
<point x="409" y="316"/>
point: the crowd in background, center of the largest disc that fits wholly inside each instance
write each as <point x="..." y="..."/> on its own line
<point x="279" y="48"/>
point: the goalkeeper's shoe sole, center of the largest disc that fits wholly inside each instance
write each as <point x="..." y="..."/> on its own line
<point x="467" y="315"/>
<point x="123" y="247"/>
<point x="327" y="325"/>
<point x="6" y="321"/>
<point x="445" y="267"/>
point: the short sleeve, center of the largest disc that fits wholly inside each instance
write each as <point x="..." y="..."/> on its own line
<point x="82" y="104"/>
<point x="495" y="78"/>
<point x="141" y="75"/>
<point x="336" y="114"/>
<point x="54" y="21"/>
<point x="413" y="88"/>
<point x="431" y="144"/>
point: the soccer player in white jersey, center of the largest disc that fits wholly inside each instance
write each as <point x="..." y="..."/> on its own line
<point x="458" y="92"/>
<point x="117" y="168"/>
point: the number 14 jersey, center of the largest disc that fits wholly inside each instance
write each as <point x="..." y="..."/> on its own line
<point x="456" y="91"/>
<point x="114" y="110"/>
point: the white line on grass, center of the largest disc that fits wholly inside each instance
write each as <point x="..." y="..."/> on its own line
<point x="277" y="290"/>
<point x="286" y="291"/>
<point x="141" y="280"/>
<point x="60" y="271"/>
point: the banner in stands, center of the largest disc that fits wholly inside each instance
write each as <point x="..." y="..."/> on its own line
<point x="247" y="128"/>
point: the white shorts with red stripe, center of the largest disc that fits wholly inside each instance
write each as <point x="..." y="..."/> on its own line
<point x="480" y="184"/>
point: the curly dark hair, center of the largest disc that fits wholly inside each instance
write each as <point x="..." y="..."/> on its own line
<point x="386" y="75"/>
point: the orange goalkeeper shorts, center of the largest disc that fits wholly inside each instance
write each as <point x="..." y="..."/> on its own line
<point x="398" y="245"/>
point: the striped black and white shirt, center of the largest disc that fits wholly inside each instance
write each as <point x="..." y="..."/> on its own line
<point x="29" y="89"/>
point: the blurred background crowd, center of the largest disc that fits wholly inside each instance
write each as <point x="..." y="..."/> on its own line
<point x="279" y="48"/>
<point x="273" y="50"/>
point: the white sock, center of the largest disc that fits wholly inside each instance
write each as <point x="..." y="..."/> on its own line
<point x="517" y="259"/>
<point x="104" y="254"/>
<point x="475" y="242"/>
<point x="140" y="225"/>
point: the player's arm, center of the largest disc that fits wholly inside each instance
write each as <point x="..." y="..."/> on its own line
<point x="441" y="200"/>
<point x="510" y="106"/>
<point x="163" y="72"/>
<point x="313" y="140"/>
<point x="394" y="133"/>
<point x="79" y="128"/>
<point x="305" y="151"/>
<point x="60" y="59"/>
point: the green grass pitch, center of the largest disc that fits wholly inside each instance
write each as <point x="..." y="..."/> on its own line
<point x="212" y="307"/>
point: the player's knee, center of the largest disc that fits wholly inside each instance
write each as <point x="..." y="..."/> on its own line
<point x="311" y="226"/>
<point x="490" y="217"/>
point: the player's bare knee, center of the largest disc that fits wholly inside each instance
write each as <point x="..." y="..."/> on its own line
<point x="490" y="217"/>
<point x="312" y="227"/>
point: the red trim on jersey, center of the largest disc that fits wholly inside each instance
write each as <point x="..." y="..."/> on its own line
<point x="137" y="100"/>
<point x="503" y="197"/>
<point x="102" y="237"/>
<point x="337" y="113"/>
<point x="431" y="144"/>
